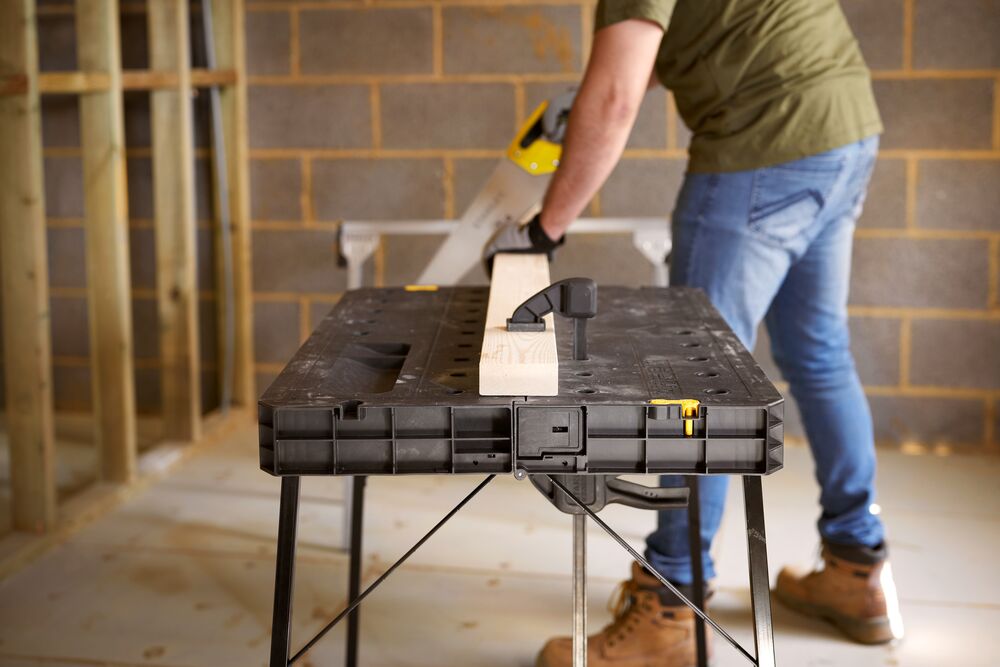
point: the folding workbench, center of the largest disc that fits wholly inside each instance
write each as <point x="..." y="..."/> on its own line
<point x="388" y="385"/>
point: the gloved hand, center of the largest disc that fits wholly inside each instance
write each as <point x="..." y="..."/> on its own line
<point x="515" y="237"/>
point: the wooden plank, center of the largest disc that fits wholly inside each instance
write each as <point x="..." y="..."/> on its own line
<point x="26" y="334"/>
<point x="73" y="82"/>
<point x="517" y="364"/>
<point x="106" y="224"/>
<point x="156" y="80"/>
<point x="228" y="30"/>
<point x="92" y="82"/>
<point x="174" y="221"/>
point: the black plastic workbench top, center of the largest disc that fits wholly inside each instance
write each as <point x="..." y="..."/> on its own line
<point x="388" y="384"/>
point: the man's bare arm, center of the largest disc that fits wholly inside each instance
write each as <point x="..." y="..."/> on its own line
<point x="618" y="75"/>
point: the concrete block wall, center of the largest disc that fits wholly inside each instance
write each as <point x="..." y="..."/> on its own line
<point x="399" y="108"/>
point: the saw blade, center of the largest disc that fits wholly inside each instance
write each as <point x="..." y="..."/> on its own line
<point x="510" y="194"/>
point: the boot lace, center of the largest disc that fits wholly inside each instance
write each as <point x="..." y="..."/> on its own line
<point x="622" y="602"/>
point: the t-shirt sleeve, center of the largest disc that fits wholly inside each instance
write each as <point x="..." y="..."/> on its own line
<point x="613" y="11"/>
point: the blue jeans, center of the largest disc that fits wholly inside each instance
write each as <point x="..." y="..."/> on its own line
<point x="774" y="245"/>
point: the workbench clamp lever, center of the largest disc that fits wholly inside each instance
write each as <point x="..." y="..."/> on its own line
<point x="575" y="298"/>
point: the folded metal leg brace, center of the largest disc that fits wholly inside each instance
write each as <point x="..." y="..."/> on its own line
<point x="281" y="626"/>
<point x="763" y="637"/>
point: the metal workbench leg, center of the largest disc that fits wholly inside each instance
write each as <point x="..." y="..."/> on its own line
<point x="760" y="593"/>
<point x="345" y="515"/>
<point x="284" y="572"/>
<point x="356" y="248"/>
<point x="697" y="566"/>
<point x="655" y="246"/>
<point x="354" y="576"/>
<point x="579" y="590"/>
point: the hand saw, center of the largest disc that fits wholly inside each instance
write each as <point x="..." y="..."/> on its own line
<point x="512" y="192"/>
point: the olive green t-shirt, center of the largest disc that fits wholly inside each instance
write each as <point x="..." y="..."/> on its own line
<point x="758" y="82"/>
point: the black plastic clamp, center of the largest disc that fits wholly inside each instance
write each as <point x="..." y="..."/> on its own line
<point x="596" y="491"/>
<point x="575" y="298"/>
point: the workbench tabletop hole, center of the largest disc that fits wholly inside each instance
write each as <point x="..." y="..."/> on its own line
<point x="709" y="374"/>
<point x="460" y="359"/>
<point x="455" y="392"/>
<point x="697" y="358"/>
<point x="586" y="390"/>
<point x="584" y="374"/>
<point x="459" y="374"/>
<point x="690" y="344"/>
<point x="683" y="332"/>
<point x="464" y="345"/>
<point x="361" y="333"/>
<point x="717" y="392"/>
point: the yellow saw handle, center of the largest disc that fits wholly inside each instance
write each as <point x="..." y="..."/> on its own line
<point x="538" y="145"/>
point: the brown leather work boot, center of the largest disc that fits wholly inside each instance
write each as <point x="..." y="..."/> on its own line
<point x="649" y="630"/>
<point x="854" y="590"/>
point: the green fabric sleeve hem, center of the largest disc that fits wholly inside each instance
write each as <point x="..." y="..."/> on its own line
<point x="609" y="12"/>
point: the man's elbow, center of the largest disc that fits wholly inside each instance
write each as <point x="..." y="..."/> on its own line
<point x="617" y="103"/>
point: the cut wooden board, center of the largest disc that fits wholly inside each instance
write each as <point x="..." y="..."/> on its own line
<point x="521" y="363"/>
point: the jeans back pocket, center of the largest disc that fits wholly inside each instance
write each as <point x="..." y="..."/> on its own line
<point x="787" y="199"/>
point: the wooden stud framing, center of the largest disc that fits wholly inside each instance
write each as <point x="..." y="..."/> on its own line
<point x="174" y="221"/>
<point x="23" y="255"/>
<point x="26" y="333"/>
<point x="106" y="223"/>
<point x="228" y="30"/>
<point x="92" y="82"/>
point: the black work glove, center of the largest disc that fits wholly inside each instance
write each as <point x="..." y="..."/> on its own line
<point x="515" y="237"/>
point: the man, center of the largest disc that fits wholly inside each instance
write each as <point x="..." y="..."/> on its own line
<point x="785" y="129"/>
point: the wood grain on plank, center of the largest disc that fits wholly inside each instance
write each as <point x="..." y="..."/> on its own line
<point x="517" y="363"/>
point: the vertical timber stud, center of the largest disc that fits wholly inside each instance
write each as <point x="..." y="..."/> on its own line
<point x="106" y="224"/>
<point x="231" y="55"/>
<point x="26" y="333"/>
<point x="174" y="220"/>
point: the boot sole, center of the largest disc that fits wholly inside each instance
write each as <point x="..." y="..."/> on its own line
<point x="863" y="631"/>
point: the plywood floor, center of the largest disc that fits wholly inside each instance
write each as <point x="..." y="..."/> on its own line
<point x="76" y="459"/>
<point x="181" y="575"/>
